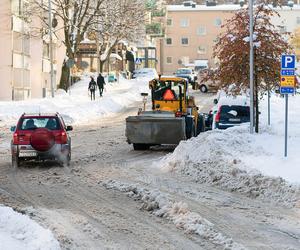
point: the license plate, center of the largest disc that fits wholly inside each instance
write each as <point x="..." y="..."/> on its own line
<point x="234" y="120"/>
<point x="27" y="154"/>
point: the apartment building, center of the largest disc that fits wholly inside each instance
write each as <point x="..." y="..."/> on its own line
<point x="192" y="30"/>
<point x="25" y="60"/>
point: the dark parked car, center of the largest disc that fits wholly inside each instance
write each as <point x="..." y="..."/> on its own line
<point x="231" y="115"/>
<point x="41" y="137"/>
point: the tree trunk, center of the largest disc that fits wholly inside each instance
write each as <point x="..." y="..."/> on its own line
<point x="64" y="79"/>
<point x="101" y="65"/>
<point x="92" y="64"/>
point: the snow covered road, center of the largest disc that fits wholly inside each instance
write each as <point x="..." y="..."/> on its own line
<point x="114" y="197"/>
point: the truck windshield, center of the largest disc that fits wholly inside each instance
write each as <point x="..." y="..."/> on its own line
<point x="168" y="85"/>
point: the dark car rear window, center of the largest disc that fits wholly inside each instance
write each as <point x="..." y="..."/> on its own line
<point x="31" y="123"/>
<point x="229" y="112"/>
<point x="184" y="71"/>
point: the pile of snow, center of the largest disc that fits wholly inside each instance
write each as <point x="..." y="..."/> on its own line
<point x="250" y="164"/>
<point x="18" y="232"/>
<point x="76" y="106"/>
<point x="177" y="212"/>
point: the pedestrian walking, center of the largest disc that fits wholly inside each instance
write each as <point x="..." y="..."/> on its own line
<point x="100" y="83"/>
<point x="92" y="88"/>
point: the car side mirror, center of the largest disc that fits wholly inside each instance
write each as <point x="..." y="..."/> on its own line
<point x="69" y="128"/>
<point x="13" y="128"/>
<point x="215" y="101"/>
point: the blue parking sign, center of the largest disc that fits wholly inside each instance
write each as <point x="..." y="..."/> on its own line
<point x="288" y="61"/>
<point x="287" y="90"/>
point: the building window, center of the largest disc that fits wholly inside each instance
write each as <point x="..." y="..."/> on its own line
<point x="169" y="22"/>
<point x="17" y="42"/>
<point x="16" y="7"/>
<point x="201" y="49"/>
<point x="26" y="44"/>
<point x="201" y="31"/>
<point x="282" y="29"/>
<point x="184" y="41"/>
<point x="169" y="60"/>
<point x="216" y="40"/>
<point x="169" y="41"/>
<point x="218" y="22"/>
<point x="19" y="7"/>
<point x="184" y="22"/>
<point x="298" y="19"/>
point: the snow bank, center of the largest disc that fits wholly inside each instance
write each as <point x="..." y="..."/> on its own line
<point x="176" y="212"/>
<point x="76" y="107"/>
<point x="19" y="232"/>
<point x="250" y="164"/>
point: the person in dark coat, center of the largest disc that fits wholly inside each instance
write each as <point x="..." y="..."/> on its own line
<point x="92" y="88"/>
<point x="100" y="83"/>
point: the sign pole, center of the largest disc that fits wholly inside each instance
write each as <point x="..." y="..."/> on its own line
<point x="251" y="66"/>
<point x="269" y="107"/>
<point x="286" y="124"/>
<point x="287" y="86"/>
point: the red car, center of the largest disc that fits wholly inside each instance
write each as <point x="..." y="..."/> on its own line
<point x="41" y="137"/>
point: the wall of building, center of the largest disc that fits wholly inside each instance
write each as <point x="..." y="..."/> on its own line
<point x="206" y="17"/>
<point x="24" y="70"/>
<point x="5" y="51"/>
<point x="289" y="18"/>
<point x="202" y="31"/>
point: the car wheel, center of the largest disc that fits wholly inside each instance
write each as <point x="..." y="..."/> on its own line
<point x="194" y="130"/>
<point x="69" y="158"/>
<point x="203" y="88"/>
<point x="15" y="160"/>
<point x="201" y="124"/>
<point x="140" y="146"/>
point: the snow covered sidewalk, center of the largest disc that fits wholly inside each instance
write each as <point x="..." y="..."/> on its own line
<point x="250" y="164"/>
<point x="77" y="108"/>
<point x="19" y="232"/>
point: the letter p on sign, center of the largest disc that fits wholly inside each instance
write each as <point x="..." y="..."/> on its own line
<point x="288" y="61"/>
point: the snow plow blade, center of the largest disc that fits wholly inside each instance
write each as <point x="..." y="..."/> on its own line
<point x="155" y="130"/>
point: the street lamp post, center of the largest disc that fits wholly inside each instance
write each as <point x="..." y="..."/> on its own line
<point x="51" y="49"/>
<point x="251" y="66"/>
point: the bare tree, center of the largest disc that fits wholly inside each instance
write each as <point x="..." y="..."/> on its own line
<point x="120" y="20"/>
<point x="113" y="20"/>
<point x="74" y="18"/>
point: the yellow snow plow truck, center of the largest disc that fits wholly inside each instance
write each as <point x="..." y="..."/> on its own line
<point x="174" y="116"/>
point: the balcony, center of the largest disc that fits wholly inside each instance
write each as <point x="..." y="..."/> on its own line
<point x="155" y="30"/>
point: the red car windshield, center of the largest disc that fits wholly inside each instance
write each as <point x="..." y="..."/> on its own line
<point x="31" y="123"/>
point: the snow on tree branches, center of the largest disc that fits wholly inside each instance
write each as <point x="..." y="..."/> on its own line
<point x="113" y="20"/>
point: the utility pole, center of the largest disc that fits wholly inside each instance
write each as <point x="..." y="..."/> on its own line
<point x="251" y="66"/>
<point x="51" y="49"/>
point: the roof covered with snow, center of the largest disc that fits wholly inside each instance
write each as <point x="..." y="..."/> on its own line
<point x="222" y="7"/>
